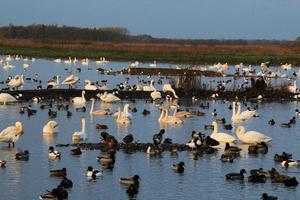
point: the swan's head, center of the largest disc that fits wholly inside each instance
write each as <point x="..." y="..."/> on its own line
<point x="87" y="82"/>
<point x="53" y="124"/>
<point x="19" y="127"/>
<point x="83" y="92"/>
<point x="214" y="123"/>
<point x="240" y="130"/>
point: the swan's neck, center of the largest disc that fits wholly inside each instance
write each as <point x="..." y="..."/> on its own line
<point x="119" y="113"/>
<point x="175" y="111"/>
<point x="240" y="132"/>
<point x="82" y="95"/>
<point x="83" y="125"/>
<point x="233" y="109"/>
<point x="215" y="128"/>
<point x="161" y="115"/>
<point x="57" y="80"/>
<point x="239" y="109"/>
<point x="92" y="106"/>
<point x="126" y="109"/>
<point x="166" y="113"/>
<point x="174" y="93"/>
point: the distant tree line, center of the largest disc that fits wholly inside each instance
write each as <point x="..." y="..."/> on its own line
<point x="109" y="34"/>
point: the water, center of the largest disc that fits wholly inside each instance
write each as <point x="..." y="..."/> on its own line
<point x="204" y="178"/>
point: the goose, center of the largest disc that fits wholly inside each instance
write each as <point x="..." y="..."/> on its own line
<point x="2" y="163"/>
<point x="79" y="100"/>
<point x="58" y="172"/>
<point x="6" y="98"/>
<point x="122" y="119"/>
<point x="22" y="155"/>
<point x="12" y="134"/>
<point x="247" y="114"/>
<point x="89" y="86"/>
<point x="53" y="83"/>
<point x="91" y="173"/>
<point x="80" y="135"/>
<point x="166" y="119"/>
<point x="153" y="65"/>
<point x="251" y="137"/>
<point x="125" y="112"/>
<point x="108" y="97"/>
<point x="221" y="137"/>
<point x="70" y="80"/>
<point x="50" y="127"/>
<point x="236" y="176"/>
<point x="16" y="82"/>
<point x="135" y="180"/>
<point x="149" y="88"/>
<point x="99" y="112"/>
<point x="53" y="154"/>
<point x="179" y="168"/>
<point x="168" y="88"/>
<point x="182" y="114"/>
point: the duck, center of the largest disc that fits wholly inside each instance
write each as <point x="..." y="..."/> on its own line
<point x="290" y="163"/>
<point x="257" y="178"/>
<point x="91" y="173"/>
<point x="178" y="168"/>
<point x="271" y="122"/>
<point x="53" y="154"/>
<point x="80" y="109"/>
<point x="291" y="182"/>
<point x="265" y="196"/>
<point x="231" y="150"/>
<point x="53" y="83"/>
<point x="2" y="163"/>
<point x="76" y="151"/>
<point x="122" y="119"/>
<point x="157" y="138"/>
<point x="59" y="172"/>
<point x="22" y="155"/>
<point x="108" y="97"/>
<point x="89" y="86"/>
<point x="50" y="127"/>
<point x="285" y="125"/>
<point x="168" y="88"/>
<point x="182" y="114"/>
<point x="99" y="112"/>
<point x="6" y="98"/>
<point x="236" y="176"/>
<point x="227" y="126"/>
<point x="226" y="158"/>
<point x="151" y="151"/>
<point x="107" y="158"/>
<point x="146" y="112"/>
<point x="12" y="134"/>
<point x="101" y="126"/>
<point x="55" y="194"/>
<point x="79" y="100"/>
<point x="135" y="180"/>
<point x="132" y="190"/>
<point x="297" y="112"/>
<point x="251" y="137"/>
<point x="221" y="137"/>
<point x="194" y="143"/>
<point x="51" y="113"/>
<point x="80" y="135"/>
<point x="109" y="140"/>
<point x="261" y="147"/>
<point x="284" y="156"/>
<point x="128" y="139"/>
<point x="66" y="183"/>
<point x="70" y="80"/>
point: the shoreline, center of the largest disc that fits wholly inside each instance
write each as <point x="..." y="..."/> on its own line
<point x="163" y="53"/>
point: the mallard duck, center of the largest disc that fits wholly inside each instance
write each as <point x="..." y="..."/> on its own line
<point x="128" y="139"/>
<point x="291" y="182"/>
<point x="284" y="156"/>
<point x="226" y="158"/>
<point x="59" y="172"/>
<point x="132" y="190"/>
<point x="107" y="158"/>
<point x="23" y="155"/>
<point x="76" y="151"/>
<point x="135" y="180"/>
<point x="66" y="183"/>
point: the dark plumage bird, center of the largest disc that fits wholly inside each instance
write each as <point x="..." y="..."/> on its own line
<point x="109" y="158"/>
<point x="69" y="114"/>
<point x="271" y="122"/>
<point x="66" y="183"/>
<point x="261" y="147"/>
<point x="291" y="182"/>
<point x="59" y="172"/>
<point x="81" y="109"/>
<point x="231" y="150"/>
<point x="168" y="141"/>
<point x="76" y="151"/>
<point x="132" y="190"/>
<point x="284" y="156"/>
<point x="257" y="178"/>
<point x="109" y="140"/>
<point x="135" y="180"/>
<point x="128" y="139"/>
<point x="227" y="126"/>
<point x="134" y="110"/>
<point x="146" y="112"/>
<point x="210" y="141"/>
<point x="157" y="138"/>
<point x="226" y="158"/>
<point x="236" y="176"/>
<point x="265" y="196"/>
<point x="178" y="168"/>
<point x="57" y="193"/>
<point x="101" y="126"/>
<point x="23" y="155"/>
<point x="52" y="114"/>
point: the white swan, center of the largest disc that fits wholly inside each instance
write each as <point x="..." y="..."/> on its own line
<point x="168" y="88"/>
<point x="247" y="114"/>
<point x="50" y="127"/>
<point x="109" y="98"/>
<point x="153" y="65"/>
<point x="221" y="137"/>
<point x="70" y="80"/>
<point x="251" y="137"/>
<point x="293" y="88"/>
<point x="25" y="66"/>
<point x="166" y="119"/>
<point x="58" y="60"/>
<point x="53" y="83"/>
<point x="69" y="61"/>
<point x="7" y="98"/>
<point x="122" y="119"/>
<point x="79" y="100"/>
<point x="149" y="87"/>
<point x="135" y="64"/>
<point x="125" y="112"/>
<point x="85" y="62"/>
<point x="89" y="86"/>
<point x="98" y="112"/>
<point x="16" y="82"/>
<point x="12" y="134"/>
<point x="80" y="135"/>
